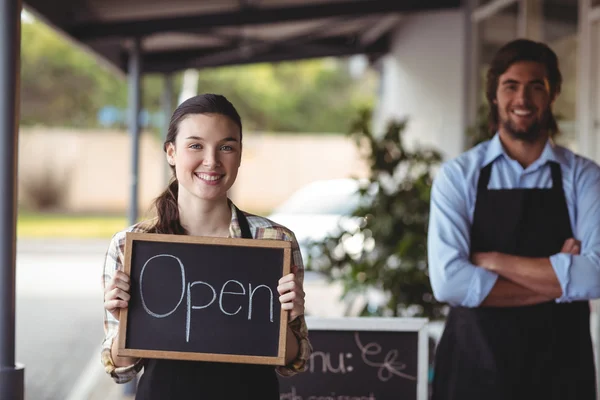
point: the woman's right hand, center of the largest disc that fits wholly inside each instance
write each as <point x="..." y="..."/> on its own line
<point x="116" y="294"/>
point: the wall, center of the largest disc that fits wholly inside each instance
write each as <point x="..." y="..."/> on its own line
<point x="95" y="166"/>
<point x="423" y="80"/>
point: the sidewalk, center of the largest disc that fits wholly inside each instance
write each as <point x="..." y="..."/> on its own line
<point x="107" y="389"/>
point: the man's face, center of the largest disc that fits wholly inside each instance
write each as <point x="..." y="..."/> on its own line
<point x="523" y="99"/>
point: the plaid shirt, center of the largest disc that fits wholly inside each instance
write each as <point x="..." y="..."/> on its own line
<point x="261" y="228"/>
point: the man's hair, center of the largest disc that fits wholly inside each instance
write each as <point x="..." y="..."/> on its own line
<point x="515" y="51"/>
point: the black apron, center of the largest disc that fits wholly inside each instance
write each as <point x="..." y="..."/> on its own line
<point x="543" y="351"/>
<point x="196" y="380"/>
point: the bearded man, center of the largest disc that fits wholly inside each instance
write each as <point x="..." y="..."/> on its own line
<point x="514" y="247"/>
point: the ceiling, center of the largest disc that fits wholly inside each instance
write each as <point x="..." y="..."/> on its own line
<point x="181" y="34"/>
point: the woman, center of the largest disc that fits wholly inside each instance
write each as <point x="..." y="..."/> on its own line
<point x="204" y="149"/>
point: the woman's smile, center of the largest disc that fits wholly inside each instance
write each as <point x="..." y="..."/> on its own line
<point x="209" y="178"/>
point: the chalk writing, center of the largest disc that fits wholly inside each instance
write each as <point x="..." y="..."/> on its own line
<point x="190" y="305"/>
<point x="293" y="395"/>
<point x="327" y="364"/>
<point x="388" y="367"/>
<point x="155" y="315"/>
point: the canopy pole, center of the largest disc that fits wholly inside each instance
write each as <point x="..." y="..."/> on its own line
<point x="11" y="374"/>
<point x="135" y="102"/>
<point x="135" y="105"/>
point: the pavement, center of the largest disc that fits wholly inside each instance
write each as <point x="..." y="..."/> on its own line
<point x="59" y="319"/>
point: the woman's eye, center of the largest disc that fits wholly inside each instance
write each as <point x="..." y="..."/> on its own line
<point x="226" y="148"/>
<point x="195" y="146"/>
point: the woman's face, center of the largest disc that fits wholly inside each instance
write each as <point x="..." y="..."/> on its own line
<point x="206" y="155"/>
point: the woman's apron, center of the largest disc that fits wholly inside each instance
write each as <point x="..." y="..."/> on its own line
<point x="197" y="380"/>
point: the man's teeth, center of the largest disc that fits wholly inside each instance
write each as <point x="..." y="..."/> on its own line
<point x="207" y="177"/>
<point x="522" y="113"/>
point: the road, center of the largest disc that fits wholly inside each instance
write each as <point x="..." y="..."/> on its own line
<point x="59" y="314"/>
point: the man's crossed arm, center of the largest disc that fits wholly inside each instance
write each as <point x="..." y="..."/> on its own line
<point x="522" y="280"/>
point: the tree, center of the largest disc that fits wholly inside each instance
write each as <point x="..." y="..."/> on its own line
<point x="393" y="232"/>
<point x="480" y="131"/>
<point x="61" y="85"/>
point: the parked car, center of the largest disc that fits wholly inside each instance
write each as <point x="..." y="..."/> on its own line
<point x="319" y="209"/>
<point x="315" y="211"/>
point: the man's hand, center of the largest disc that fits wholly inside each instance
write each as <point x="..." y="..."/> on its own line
<point x="571" y="246"/>
<point x="489" y="260"/>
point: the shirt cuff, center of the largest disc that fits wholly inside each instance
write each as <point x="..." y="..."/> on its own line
<point x="480" y="286"/>
<point x="120" y="374"/>
<point x="561" y="263"/>
<point x="299" y="329"/>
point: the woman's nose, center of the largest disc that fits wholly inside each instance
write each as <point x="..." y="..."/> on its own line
<point x="211" y="159"/>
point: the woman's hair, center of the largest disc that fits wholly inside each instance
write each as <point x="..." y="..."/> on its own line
<point x="510" y="53"/>
<point x="166" y="205"/>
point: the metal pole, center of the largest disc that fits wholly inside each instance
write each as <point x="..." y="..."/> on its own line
<point x="135" y="102"/>
<point x="167" y="110"/>
<point x="11" y="375"/>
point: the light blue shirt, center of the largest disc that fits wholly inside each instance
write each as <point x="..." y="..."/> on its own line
<point x="454" y="278"/>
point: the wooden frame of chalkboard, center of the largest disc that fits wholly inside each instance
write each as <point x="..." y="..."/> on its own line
<point x="231" y="244"/>
<point x="380" y="324"/>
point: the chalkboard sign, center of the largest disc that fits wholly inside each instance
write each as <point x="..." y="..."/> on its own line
<point x="363" y="359"/>
<point x="211" y="299"/>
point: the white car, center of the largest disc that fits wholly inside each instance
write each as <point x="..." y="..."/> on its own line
<point x="315" y="211"/>
<point x="318" y="210"/>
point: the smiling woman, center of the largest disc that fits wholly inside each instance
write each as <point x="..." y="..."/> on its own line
<point x="206" y="157"/>
<point x="203" y="148"/>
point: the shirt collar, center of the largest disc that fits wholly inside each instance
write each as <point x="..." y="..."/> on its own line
<point x="551" y="152"/>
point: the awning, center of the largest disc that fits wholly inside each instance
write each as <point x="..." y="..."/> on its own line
<point x="181" y="34"/>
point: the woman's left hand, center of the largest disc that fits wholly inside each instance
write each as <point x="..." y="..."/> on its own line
<point x="291" y="294"/>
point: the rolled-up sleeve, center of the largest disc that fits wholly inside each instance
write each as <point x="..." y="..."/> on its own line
<point x="114" y="262"/>
<point x="579" y="275"/>
<point x="299" y="364"/>
<point x="298" y="325"/>
<point x="454" y="279"/>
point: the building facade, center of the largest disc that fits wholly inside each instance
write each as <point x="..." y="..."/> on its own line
<point x="434" y="74"/>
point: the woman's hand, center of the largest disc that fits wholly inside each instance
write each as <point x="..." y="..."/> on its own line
<point x="291" y="294"/>
<point x="116" y="294"/>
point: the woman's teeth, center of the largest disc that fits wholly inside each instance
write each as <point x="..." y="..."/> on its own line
<point x="207" y="177"/>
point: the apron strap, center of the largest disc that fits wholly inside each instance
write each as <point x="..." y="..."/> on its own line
<point x="556" y="175"/>
<point x="484" y="178"/>
<point x="244" y="226"/>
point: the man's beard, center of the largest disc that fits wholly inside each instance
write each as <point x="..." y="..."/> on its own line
<point x="532" y="133"/>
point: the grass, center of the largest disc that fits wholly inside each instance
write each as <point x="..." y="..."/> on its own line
<point x="56" y="225"/>
<point x="31" y="225"/>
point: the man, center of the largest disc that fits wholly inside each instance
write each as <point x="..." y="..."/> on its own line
<point x="514" y="247"/>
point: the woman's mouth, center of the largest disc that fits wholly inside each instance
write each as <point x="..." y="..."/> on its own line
<point x="210" y="179"/>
